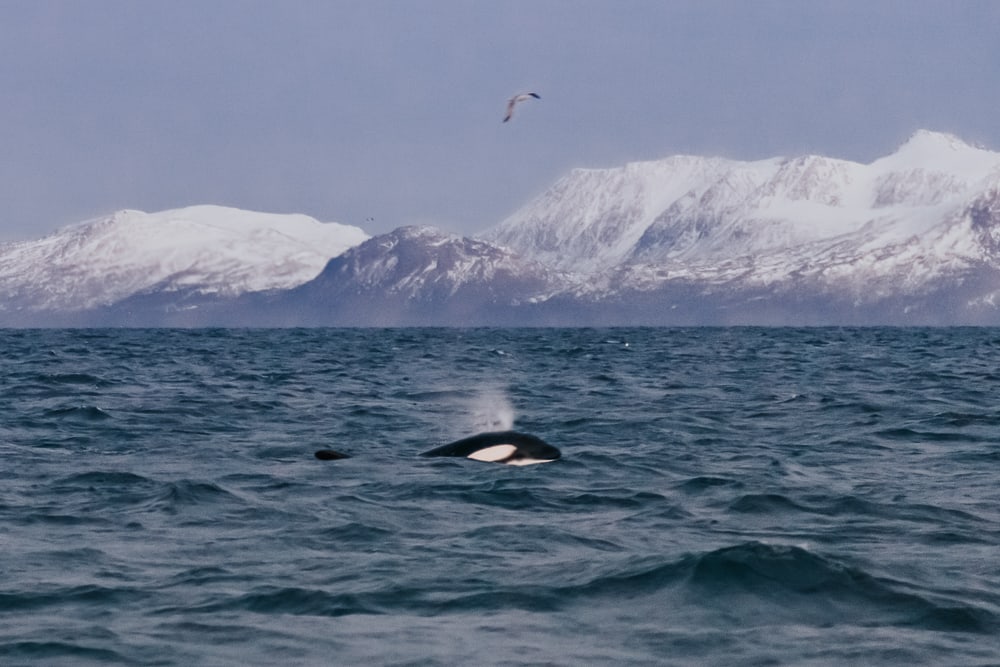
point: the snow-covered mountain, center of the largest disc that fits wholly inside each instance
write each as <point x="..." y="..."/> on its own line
<point x="919" y="222"/>
<point x="208" y="250"/>
<point x="418" y="275"/>
<point x="694" y="213"/>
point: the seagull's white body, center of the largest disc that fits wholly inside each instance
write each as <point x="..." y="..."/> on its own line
<point x="512" y="102"/>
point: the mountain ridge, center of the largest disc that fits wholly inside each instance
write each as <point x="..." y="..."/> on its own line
<point x="912" y="237"/>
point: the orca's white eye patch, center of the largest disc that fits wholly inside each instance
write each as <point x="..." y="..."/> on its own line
<point x="494" y="453"/>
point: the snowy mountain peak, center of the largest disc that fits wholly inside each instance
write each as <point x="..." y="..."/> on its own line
<point x="929" y="143"/>
<point x="424" y="233"/>
<point x="213" y="219"/>
<point x="937" y="151"/>
<point x="931" y="168"/>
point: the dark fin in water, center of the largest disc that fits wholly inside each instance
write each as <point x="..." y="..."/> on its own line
<point x="330" y="455"/>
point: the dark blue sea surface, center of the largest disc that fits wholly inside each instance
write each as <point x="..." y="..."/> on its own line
<point x="731" y="496"/>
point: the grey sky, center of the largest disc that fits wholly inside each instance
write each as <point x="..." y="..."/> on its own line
<point x="391" y="109"/>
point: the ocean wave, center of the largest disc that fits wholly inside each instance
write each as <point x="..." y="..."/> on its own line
<point x="747" y="585"/>
<point x="72" y="379"/>
<point x="80" y="412"/>
<point x="100" y="494"/>
<point x="88" y="595"/>
<point x="703" y="483"/>
<point x="176" y="495"/>
<point x="760" y="584"/>
<point x="106" y="478"/>
<point x="853" y="506"/>
<point x="292" y="600"/>
<point x="45" y="652"/>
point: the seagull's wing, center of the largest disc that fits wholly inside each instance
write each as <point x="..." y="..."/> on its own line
<point x="512" y="102"/>
<point x="510" y="109"/>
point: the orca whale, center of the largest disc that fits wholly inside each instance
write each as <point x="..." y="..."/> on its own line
<point x="510" y="447"/>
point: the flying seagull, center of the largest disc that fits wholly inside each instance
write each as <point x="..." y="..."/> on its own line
<point x="512" y="102"/>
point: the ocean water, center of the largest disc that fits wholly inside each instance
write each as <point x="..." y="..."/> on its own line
<point x="732" y="496"/>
